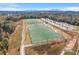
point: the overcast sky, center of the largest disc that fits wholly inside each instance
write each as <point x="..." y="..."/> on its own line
<point x="39" y="6"/>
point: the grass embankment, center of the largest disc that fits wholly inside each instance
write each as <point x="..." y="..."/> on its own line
<point x="15" y="40"/>
<point x="45" y="50"/>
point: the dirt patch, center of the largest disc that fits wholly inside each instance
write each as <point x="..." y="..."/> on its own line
<point x="27" y="37"/>
<point x="46" y="49"/>
<point x="15" y="40"/>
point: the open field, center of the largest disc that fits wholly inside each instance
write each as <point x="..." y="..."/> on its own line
<point x="40" y="32"/>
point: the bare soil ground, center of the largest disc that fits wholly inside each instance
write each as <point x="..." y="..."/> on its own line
<point x="27" y="37"/>
<point x="44" y="49"/>
<point x="15" y="39"/>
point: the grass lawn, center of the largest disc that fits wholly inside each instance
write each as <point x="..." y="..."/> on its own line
<point x="70" y="53"/>
<point x="56" y="50"/>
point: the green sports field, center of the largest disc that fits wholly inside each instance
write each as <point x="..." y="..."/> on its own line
<point x="40" y="32"/>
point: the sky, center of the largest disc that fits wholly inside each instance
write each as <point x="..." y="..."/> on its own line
<point x="39" y="6"/>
